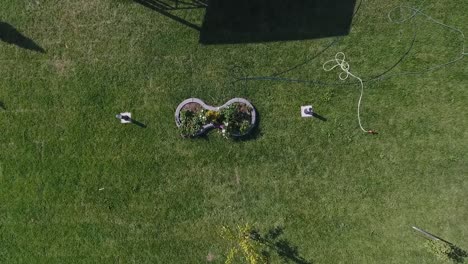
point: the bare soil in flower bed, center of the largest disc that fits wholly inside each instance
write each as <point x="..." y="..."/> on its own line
<point x="243" y="108"/>
<point x="192" y="107"/>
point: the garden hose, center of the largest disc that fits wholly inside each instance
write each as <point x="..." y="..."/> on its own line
<point x="339" y="58"/>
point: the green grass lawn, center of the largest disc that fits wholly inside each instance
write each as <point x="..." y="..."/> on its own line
<point x="339" y="195"/>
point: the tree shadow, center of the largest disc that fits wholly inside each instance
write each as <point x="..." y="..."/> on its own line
<point x="457" y="254"/>
<point x="288" y="252"/>
<point x="164" y="8"/>
<point x="245" y="21"/>
<point x="11" y="35"/>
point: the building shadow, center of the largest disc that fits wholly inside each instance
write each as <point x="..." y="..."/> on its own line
<point x="165" y="7"/>
<point x="11" y="35"/>
<point x="288" y="252"/>
<point x="246" y="21"/>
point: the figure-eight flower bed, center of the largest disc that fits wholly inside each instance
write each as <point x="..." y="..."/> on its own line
<point x="236" y="118"/>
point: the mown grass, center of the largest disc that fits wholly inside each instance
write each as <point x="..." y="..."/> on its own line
<point x="340" y="195"/>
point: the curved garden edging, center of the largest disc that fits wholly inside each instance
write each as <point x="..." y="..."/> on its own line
<point x="205" y="106"/>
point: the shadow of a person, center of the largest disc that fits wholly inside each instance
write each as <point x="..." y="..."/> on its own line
<point x="11" y="35"/>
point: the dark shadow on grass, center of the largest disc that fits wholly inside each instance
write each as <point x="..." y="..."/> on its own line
<point x="131" y="120"/>
<point x="319" y="117"/>
<point x="2" y="106"/>
<point x="309" y="112"/>
<point x="202" y="137"/>
<point x="288" y="252"/>
<point x="246" y="21"/>
<point x="163" y="8"/>
<point x="168" y="5"/>
<point x="11" y="35"/>
<point x="138" y="123"/>
<point x="457" y="254"/>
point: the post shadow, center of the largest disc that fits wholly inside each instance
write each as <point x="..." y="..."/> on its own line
<point x="2" y="106"/>
<point x="131" y="120"/>
<point x="12" y="36"/>
<point x="248" y="21"/>
<point x="163" y="8"/>
<point x="137" y="123"/>
<point x="319" y="117"/>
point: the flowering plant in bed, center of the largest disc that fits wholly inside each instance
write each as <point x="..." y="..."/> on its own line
<point x="236" y="120"/>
